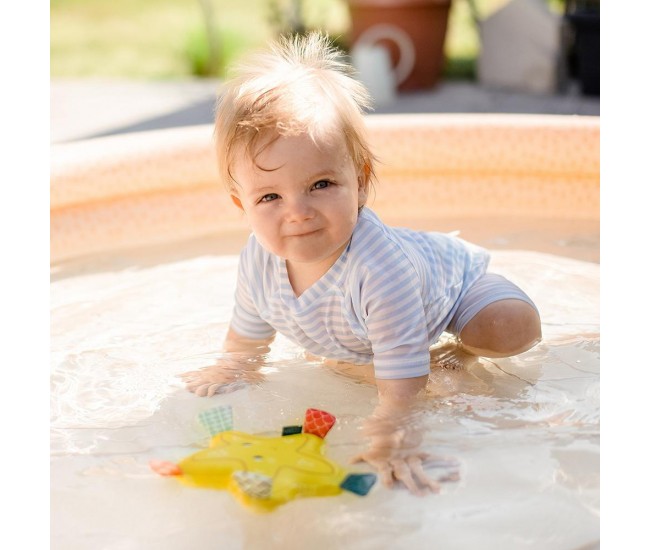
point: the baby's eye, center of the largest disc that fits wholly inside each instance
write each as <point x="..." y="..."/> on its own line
<point x="322" y="184"/>
<point x="270" y="197"/>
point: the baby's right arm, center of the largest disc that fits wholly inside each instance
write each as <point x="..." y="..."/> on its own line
<point x="239" y="344"/>
<point x="238" y="367"/>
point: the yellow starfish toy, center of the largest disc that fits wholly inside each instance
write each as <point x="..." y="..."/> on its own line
<point x="264" y="472"/>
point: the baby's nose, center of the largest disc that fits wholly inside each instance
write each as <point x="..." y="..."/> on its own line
<point x="299" y="209"/>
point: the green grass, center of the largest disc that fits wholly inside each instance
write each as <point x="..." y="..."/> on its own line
<point x="157" y="39"/>
<point x="164" y="39"/>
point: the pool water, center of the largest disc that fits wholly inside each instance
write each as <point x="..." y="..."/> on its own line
<point x="525" y="430"/>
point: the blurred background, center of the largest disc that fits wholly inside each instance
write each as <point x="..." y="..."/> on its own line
<point x="130" y="65"/>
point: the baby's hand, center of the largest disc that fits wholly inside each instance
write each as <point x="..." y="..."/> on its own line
<point x="395" y="438"/>
<point x="408" y="467"/>
<point x="225" y="376"/>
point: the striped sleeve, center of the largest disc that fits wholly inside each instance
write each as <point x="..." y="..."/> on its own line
<point x="396" y="320"/>
<point x="246" y="320"/>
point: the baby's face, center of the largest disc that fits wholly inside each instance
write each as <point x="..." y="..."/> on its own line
<point x="301" y="200"/>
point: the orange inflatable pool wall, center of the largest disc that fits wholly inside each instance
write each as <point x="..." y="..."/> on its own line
<point x="162" y="186"/>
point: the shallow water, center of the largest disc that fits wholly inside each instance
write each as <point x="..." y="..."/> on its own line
<point x="525" y="429"/>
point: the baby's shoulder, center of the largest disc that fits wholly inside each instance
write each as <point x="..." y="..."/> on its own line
<point x="254" y="255"/>
<point x="376" y="246"/>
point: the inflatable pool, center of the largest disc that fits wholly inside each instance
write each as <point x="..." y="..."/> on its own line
<point x="144" y="245"/>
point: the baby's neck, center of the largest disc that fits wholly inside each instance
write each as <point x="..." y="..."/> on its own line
<point x="303" y="276"/>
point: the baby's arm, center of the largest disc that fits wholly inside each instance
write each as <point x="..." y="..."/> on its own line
<point x="244" y="357"/>
<point x="240" y="344"/>
<point x="395" y="435"/>
<point x="401" y="393"/>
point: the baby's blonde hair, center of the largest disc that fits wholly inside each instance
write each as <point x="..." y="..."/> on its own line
<point x="301" y="85"/>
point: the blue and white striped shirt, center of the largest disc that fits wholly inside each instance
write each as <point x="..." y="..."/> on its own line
<point x="385" y="301"/>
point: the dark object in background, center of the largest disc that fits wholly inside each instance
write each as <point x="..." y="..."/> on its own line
<point x="584" y="56"/>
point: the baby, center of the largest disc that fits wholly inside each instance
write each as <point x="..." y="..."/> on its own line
<point x="321" y="268"/>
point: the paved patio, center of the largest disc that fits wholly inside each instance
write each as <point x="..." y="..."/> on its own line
<point x="82" y="109"/>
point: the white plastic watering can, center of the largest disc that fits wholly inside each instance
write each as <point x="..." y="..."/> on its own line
<point x="373" y="63"/>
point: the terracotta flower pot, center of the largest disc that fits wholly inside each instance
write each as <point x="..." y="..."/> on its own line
<point x="423" y="21"/>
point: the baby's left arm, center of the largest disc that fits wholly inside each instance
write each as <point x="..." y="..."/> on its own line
<point x="401" y="393"/>
<point x="395" y="438"/>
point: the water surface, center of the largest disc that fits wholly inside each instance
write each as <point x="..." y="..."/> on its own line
<point x="525" y="429"/>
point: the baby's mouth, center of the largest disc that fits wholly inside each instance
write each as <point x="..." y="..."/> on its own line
<point x="304" y="233"/>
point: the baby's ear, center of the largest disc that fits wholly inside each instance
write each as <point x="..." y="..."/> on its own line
<point x="235" y="199"/>
<point x="363" y="179"/>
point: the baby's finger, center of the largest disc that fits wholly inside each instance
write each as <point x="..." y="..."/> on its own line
<point x="434" y="461"/>
<point x="211" y="389"/>
<point x="195" y="381"/>
<point x="415" y="463"/>
<point x="190" y="383"/>
<point x="402" y="472"/>
<point x="201" y="389"/>
<point x="385" y="472"/>
<point x="206" y="389"/>
<point x="451" y="476"/>
<point x="191" y="387"/>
